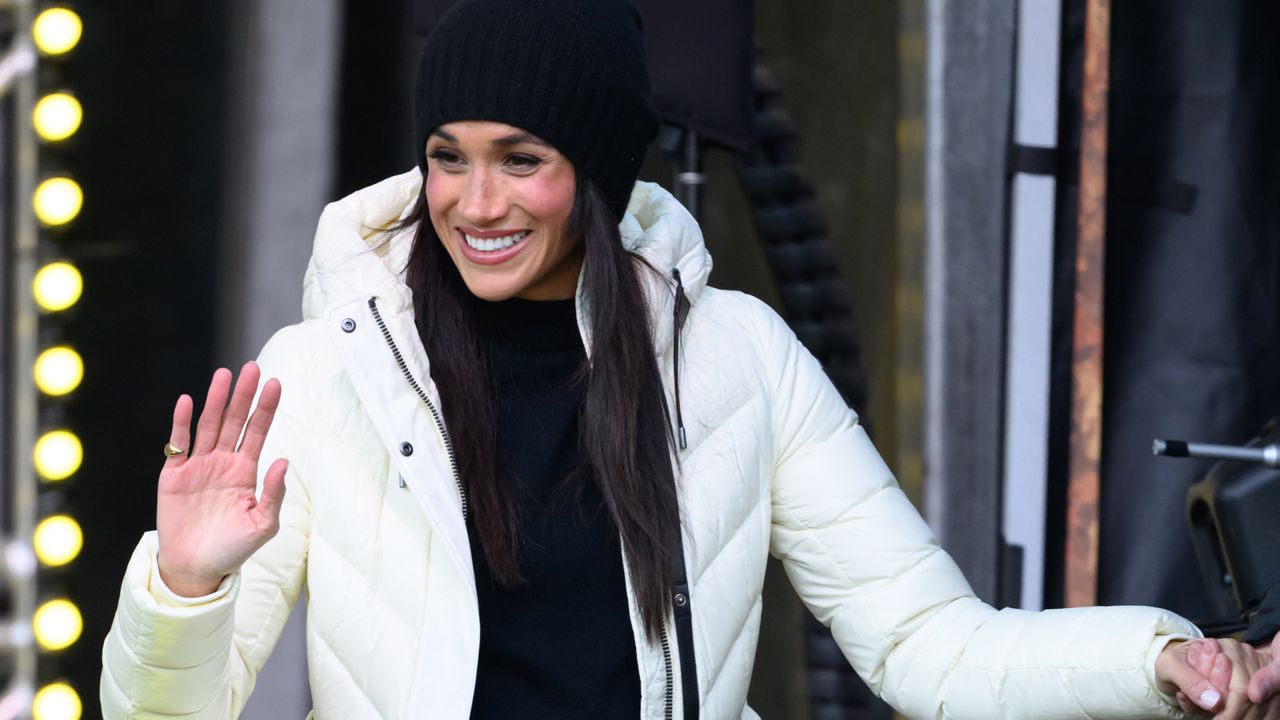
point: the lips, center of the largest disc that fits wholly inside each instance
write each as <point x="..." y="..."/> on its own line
<point x="497" y="248"/>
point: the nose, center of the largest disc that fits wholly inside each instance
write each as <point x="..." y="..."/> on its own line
<point x="483" y="201"/>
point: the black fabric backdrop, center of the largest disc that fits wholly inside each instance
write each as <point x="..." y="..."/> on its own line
<point x="1192" y="326"/>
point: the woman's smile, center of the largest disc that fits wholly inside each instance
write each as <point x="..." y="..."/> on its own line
<point x="492" y="248"/>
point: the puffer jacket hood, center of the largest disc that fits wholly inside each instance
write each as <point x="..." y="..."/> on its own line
<point x="775" y="463"/>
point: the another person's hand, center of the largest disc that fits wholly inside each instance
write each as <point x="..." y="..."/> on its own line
<point x="1264" y="686"/>
<point x="1208" y="658"/>
<point x="1197" y="672"/>
<point x="207" y="516"/>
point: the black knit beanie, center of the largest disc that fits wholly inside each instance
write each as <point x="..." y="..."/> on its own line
<point x="572" y="72"/>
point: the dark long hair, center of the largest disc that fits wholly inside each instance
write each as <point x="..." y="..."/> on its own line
<point x="625" y="429"/>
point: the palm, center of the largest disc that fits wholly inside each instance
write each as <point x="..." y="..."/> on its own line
<point x="207" y="516"/>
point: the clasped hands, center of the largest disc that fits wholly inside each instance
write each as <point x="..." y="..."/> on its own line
<point x="1223" y="679"/>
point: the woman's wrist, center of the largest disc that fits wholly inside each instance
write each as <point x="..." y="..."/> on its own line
<point x="188" y="587"/>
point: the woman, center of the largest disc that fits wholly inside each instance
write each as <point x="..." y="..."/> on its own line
<point x="511" y="393"/>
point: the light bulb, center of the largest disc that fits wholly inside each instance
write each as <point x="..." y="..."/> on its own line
<point x="58" y="370"/>
<point x="57" y="624"/>
<point x="57" y="201"/>
<point x="57" y="116"/>
<point x="56" y="701"/>
<point x="57" y="286"/>
<point x="57" y="540"/>
<point x="56" y="31"/>
<point x="58" y="454"/>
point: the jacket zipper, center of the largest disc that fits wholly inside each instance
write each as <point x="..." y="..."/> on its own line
<point x="666" y="659"/>
<point x="669" y="701"/>
<point x="444" y="431"/>
<point x="680" y="309"/>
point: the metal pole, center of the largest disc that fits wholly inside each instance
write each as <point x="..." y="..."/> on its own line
<point x="690" y="178"/>
<point x="1083" y="489"/>
<point x="22" y="354"/>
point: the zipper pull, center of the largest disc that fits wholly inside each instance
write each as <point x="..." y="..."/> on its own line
<point x="681" y="309"/>
<point x="402" y="483"/>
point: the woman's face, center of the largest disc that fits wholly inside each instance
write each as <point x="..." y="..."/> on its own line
<point x="500" y="200"/>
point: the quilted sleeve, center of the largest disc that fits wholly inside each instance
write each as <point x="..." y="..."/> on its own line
<point x="867" y="565"/>
<point x="169" y="656"/>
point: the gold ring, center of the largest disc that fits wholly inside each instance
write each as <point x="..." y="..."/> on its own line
<point x="170" y="450"/>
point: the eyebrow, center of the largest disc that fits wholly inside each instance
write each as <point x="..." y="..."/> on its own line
<point x="506" y="140"/>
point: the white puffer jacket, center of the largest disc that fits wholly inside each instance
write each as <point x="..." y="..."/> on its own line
<point x="776" y="463"/>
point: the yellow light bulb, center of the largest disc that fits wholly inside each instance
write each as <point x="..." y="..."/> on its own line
<point x="57" y="200"/>
<point x="56" y="701"/>
<point x="57" y="116"/>
<point x="57" y="624"/>
<point x="58" y="455"/>
<point x="58" y="370"/>
<point x="57" y="286"/>
<point x="56" y="30"/>
<point x="58" y="540"/>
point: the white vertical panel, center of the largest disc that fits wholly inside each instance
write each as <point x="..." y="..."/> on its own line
<point x="1030" y="297"/>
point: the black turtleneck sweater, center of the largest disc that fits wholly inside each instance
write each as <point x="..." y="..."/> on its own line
<point x="560" y="645"/>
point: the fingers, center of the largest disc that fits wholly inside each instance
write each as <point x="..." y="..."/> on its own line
<point x="1206" y="658"/>
<point x="1245" y="663"/>
<point x="1265" y="684"/>
<point x="1219" y="673"/>
<point x="1189" y="707"/>
<point x="1222" y="671"/>
<point x="238" y="409"/>
<point x="268" y="507"/>
<point x="1194" y="685"/>
<point x="255" y="435"/>
<point x="211" y="414"/>
<point x="180" y="434"/>
<point x="1200" y="656"/>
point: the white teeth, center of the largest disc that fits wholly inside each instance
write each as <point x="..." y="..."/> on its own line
<point x="500" y="243"/>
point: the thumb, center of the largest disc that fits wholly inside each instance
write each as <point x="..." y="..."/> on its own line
<point x="1196" y="686"/>
<point x="273" y="492"/>
<point x="1264" y="683"/>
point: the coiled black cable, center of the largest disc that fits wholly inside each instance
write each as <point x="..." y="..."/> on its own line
<point x="814" y="303"/>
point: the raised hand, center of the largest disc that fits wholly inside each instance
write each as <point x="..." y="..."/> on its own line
<point x="207" y="516"/>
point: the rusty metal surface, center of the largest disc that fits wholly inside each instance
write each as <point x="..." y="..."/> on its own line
<point x="1081" y="580"/>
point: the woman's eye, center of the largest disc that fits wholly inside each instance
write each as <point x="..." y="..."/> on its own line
<point x="445" y="158"/>
<point x="523" y="162"/>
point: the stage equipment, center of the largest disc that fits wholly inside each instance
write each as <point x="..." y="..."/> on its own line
<point x="58" y="200"/>
<point x="57" y="540"/>
<point x="1233" y="513"/>
<point x="37" y="371"/>
<point x="57" y="624"/>
<point x="57" y="116"/>
<point x="57" y="286"/>
<point x="1268" y="455"/>
<point x="59" y="370"/>
<point x="56" y="701"/>
<point x="57" y="31"/>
